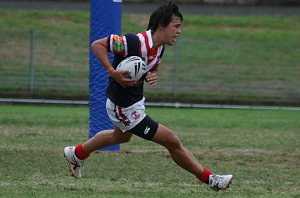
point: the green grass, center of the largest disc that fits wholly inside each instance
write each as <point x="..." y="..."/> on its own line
<point x="221" y="57"/>
<point x="260" y="147"/>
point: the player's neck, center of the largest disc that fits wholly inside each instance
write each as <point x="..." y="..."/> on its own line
<point x="156" y="39"/>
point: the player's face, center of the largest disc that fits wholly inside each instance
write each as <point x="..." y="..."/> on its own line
<point x="172" y="31"/>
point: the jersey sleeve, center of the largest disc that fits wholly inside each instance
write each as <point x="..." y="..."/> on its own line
<point x="126" y="45"/>
<point x="117" y="44"/>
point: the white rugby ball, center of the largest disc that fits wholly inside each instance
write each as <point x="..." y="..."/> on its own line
<point x="135" y="65"/>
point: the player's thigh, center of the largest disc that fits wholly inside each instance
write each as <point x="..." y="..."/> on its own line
<point x="145" y="129"/>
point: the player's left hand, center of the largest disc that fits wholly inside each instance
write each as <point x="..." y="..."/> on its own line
<point x="152" y="78"/>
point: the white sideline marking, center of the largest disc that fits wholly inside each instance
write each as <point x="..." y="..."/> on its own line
<point x="150" y="104"/>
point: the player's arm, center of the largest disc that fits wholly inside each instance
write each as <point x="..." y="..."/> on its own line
<point x="100" y="49"/>
<point x="152" y="77"/>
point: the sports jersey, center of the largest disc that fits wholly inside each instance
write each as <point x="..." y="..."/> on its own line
<point x="139" y="44"/>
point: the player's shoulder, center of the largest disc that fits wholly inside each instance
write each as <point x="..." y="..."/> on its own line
<point x="131" y="37"/>
<point x="133" y="44"/>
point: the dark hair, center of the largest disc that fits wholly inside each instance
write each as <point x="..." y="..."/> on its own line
<point x="163" y="15"/>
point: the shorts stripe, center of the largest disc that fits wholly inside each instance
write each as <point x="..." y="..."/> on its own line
<point x="116" y="113"/>
<point x="124" y="119"/>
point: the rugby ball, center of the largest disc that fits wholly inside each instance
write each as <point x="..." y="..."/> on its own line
<point x="135" y="65"/>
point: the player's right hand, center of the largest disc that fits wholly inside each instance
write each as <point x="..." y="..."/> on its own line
<point x="119" y="76"/>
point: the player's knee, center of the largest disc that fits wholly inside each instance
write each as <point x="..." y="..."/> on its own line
<point x="173" y="142"/>
<point x="125" y="140"/>
<point x="120" y="139"/>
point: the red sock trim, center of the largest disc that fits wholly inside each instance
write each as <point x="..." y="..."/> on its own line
<point x="205" y="175"/>
<point x="80" y="153"/>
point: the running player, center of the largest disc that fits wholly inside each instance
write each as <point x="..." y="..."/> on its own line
<point x="125" y="103"/>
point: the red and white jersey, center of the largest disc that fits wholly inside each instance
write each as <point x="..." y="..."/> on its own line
<point x="153" y="56"/>
<point x="140" y="44"/>
<point x="124" y="46"/>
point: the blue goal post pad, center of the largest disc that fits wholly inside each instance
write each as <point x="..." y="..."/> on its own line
<point x="105" y="19"/>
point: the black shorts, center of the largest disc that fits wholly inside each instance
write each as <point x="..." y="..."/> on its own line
<point x="145" y="129"/>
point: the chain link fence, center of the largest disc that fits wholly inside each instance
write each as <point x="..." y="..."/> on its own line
<point x="39" y="64"/>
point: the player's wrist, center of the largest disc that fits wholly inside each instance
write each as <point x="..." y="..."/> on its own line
<point x="110" y="71"/>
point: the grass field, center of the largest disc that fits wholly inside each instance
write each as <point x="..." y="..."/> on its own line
<point x="220" y="57"/>
<point x="260" y="147"/>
